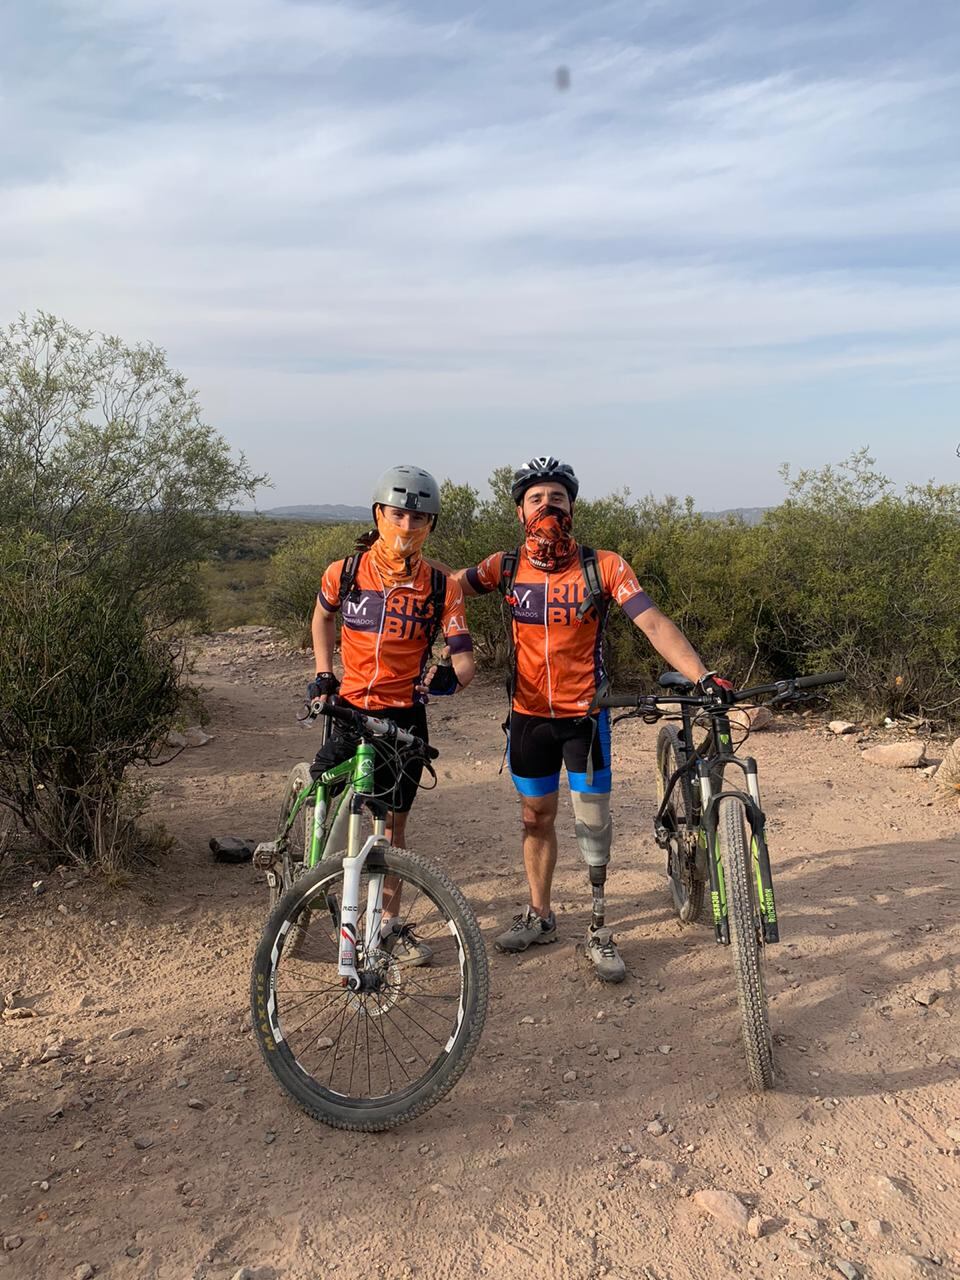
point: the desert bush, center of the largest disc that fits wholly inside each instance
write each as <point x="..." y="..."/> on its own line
<point x="295" y="573"/>
<point x="86" y="690"/>
<point x="112" y="490"/>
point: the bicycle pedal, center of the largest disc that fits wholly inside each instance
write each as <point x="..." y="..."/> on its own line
<point x="265" y="855"/>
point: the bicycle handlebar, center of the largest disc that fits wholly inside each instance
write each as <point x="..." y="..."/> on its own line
<point x="372" y="725"/>
<point x="782" y="689"/>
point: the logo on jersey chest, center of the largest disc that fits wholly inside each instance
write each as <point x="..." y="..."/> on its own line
<point x="401" y="617"/>
<point x="554" y="604"/>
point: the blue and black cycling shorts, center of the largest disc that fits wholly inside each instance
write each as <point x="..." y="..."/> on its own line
<point x="539" y="747"/>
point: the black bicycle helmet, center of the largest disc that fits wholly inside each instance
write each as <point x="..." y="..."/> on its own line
<point x="538" y="470"/>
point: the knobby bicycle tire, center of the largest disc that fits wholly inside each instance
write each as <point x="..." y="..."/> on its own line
<point x="746" y="941"/>
<point x="686" y="889"/>
<point x="298" y="837"/>
<point x="376" y="1033"/>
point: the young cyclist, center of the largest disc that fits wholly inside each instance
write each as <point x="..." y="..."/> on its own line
<point x="558" y="593"/>
<point x="392" y="602"/>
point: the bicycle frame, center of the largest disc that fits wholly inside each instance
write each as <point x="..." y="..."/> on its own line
<point x="706" y="764"/>
<point x="357" y="773"/>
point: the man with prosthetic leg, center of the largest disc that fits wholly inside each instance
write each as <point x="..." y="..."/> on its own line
<point x="558" y="593"/>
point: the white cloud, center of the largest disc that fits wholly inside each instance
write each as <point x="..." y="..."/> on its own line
<point x="347" y="205"/>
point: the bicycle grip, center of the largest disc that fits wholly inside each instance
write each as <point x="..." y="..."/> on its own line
<point x="828" y="677"/>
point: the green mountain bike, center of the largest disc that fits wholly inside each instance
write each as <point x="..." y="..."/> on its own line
<point x="359" y="1036"/>
<point x="713" y="832"/>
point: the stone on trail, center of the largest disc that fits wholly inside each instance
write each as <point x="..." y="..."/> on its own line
<point x="85" y="1271"/>
<point x="12" y="1242"/>
<point x="948" y="772"/>
<point x="953" y="1133"/>
<point x="847" y="1269"/>
<point x="195" y="736"/>
<point x="175" y="739"/>
<point x="897" y="755"/>
<point x="656" y="1128"/>
<point x="751" y="718"/>
<point x="840" y="727"/>
<point x="727" y="1208"/>
<point x="926" y="997"/>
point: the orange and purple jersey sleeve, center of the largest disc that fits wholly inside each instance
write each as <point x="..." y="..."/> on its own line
<point x="329" y="593"/>
<point x="455" y="630"/>
<point x="620" y="583"/>
<point x="486" y="576"/>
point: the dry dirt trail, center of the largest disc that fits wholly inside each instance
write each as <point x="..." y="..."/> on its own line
<point x="157" y="1146"/>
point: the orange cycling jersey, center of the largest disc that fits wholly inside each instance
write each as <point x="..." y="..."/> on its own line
<point x="558" y="656"/>
<point x="385" y="630"/>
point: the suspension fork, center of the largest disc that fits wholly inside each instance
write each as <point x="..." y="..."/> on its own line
<point x="358" y="850"/>
<point x="760" y="857"/>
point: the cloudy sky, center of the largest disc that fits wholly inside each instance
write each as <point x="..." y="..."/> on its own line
<point x="375" y="232"/>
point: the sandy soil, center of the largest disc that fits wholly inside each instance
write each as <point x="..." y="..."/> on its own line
<point x="169" y="1153"/>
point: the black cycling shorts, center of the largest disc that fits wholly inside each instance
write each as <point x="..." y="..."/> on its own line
<point x="539" y="747"/>
<point x="398" y="792"/>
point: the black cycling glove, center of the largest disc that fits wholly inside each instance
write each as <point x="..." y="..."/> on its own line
<point x="324" y="686"/>
<point x="718" y="686"/>
<point x="444" y="680"/>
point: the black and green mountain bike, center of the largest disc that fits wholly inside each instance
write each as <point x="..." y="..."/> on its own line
<point x="713" y="832"/>
<point x="360" y="1037"/>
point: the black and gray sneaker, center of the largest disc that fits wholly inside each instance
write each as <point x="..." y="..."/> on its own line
<point x="528" y="930"/>
<point x="607" y="960"/>
<point x="402" y="944"/>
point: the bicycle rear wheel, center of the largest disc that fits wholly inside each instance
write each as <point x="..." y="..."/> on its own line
<point x="687" y="890"/>
<point x="746" y="940"/>
<point x="373" y="1058"/>
<point x="296" y="843"/>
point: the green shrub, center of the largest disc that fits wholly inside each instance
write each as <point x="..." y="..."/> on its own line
<point x="295" y="573"/>
<point x="85" y="691"/>
<point x="112" y="491"/>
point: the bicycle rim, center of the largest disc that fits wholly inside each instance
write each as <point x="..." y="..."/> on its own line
<point x="371" y="1059"/>
<point x="746" y="941"/>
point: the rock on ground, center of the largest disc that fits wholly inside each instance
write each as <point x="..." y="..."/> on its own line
<point x="897" y="755"/>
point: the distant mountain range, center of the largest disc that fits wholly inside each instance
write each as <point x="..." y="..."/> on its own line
<point x="327" y="513"/>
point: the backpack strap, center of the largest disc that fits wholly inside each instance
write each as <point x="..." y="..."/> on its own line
<point x="348" y="576"/>
<point x="438" y="600"/>
<point x="509" y="563"/>
<point x="595" y="597"/>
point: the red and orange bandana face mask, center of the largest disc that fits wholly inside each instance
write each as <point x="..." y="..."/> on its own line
<point x="549" y="542"/>
<point x="397" y="552"/>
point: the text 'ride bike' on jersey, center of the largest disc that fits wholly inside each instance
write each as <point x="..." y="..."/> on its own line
<point x="387" y="631"/>
<point x="558" y="646"/>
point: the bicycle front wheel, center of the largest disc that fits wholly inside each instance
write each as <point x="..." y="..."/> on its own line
<point x="686" y="888"/>
<point x="746" y="941"/>
<point x="373" y="1058"/>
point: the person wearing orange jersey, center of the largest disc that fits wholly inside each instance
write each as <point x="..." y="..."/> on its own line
<point x="393" y="603"/>
<point x="557" y="593"/>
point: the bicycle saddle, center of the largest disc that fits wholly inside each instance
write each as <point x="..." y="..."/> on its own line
<point x="674" y="680"/>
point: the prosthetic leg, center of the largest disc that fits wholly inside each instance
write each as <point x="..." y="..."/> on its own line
<point x="594" y="830"/>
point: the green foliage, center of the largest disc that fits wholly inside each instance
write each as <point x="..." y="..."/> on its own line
<point x="296" y="571"/>
<point x="103" y="451"/>
<point x="233" y="580"/>
<point x="85" y="691"/>
<point x="112" y="490"/>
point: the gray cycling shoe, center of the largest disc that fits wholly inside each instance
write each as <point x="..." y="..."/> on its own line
<point x="603" y="952"/>
<point x="403" y="945"/>
<point x="528" y="930"/>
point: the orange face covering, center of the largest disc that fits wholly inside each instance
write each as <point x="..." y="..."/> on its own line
<point x="397" y="552"/>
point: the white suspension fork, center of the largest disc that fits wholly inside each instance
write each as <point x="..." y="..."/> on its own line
<point x="353" y="866"/>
